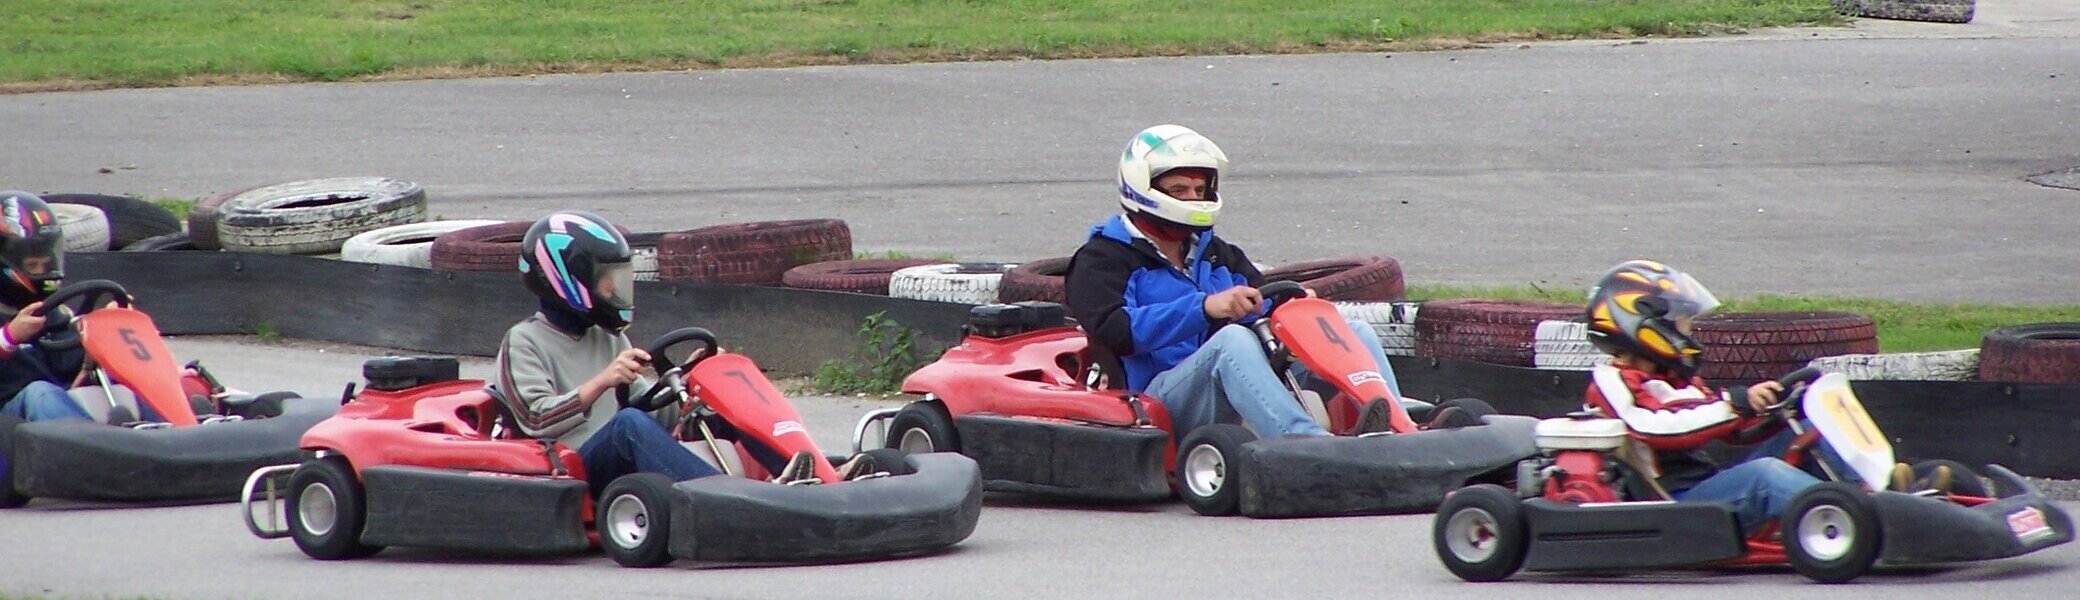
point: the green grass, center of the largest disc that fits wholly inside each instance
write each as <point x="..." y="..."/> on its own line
<point x="179" y="206"/>
<point x="58" y="44"/>
<point x="1902" y="326"/>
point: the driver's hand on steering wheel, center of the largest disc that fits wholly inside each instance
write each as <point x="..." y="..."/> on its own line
<point x="625" y="368"/>
<point x="26" y="324"/>
<point x="1762" y="395"/>
<point x="1233" y="302"/>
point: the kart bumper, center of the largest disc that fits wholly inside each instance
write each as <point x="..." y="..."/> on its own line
<point x="736" y="519"/>
<point x="91" y="461"/>
<point x="1067" y="460"/>
<point x="1922" y="530"/>
<point x="1309" y="477"/>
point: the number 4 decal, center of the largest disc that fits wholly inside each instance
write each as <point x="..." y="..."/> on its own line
<point x="1329" y="331"/>
<point x="747" y="385"/>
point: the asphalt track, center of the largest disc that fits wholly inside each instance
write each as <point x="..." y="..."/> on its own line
<point x="1885" y="161"/>
<point x="1020" y="549"/>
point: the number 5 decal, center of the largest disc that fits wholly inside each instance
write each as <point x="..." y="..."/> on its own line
<point x="137" y="348"/>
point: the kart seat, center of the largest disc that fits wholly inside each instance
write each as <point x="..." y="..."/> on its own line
<point x="502" y="423"/>
<point x="98" y="407"/>
<point x="1101" y="369"/>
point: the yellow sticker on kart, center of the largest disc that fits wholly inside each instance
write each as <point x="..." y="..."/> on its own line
<point x="1848" y="414"/>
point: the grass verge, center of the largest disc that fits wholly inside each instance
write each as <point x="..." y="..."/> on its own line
<point x="86" y="44"/>
<point x="1902" y="326"/>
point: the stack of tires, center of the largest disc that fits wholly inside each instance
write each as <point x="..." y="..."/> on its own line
<point x="315" y="216"/>
<point x="96" y="222"/>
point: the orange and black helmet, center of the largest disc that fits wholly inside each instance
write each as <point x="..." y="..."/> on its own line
<point x="1641" y="308"/>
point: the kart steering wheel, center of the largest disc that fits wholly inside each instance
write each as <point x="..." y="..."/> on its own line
<point x="90" y="293"/>
<point x="1278" y="292"/>
<point x="1794" y="384"/>
<point x="669" y="374"/>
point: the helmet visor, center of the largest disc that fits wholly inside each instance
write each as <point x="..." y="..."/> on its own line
<point x="1686" y="297"/>
<point x="35" y="257"/>
<point x="617" y="285"/>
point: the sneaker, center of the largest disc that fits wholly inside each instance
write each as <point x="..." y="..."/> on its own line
<point x="1375" y="417"/>
<point x="1937" y="480"/>
<point x="799" y="470"/>
<point x="1902" y="477"/>
<point x="860" y="465"/>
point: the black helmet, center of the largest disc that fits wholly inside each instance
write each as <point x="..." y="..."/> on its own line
<point x="579" y="261"/>
<point x="32" y="249"/>
<point x="1644" y="308"/>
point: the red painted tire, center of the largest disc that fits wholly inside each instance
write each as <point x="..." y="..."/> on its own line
<point x="1767" y="345"/>
<point x="1502" y="332"/>
<point x="1043" y="280"/>
<point x="2035" y="353"/>
<point x="202" y="219"/>
<point x="489" y="248"/>
<point x="868" y="276"/>
<point x="1352" y="279"/>
<point x="751" y="253"/>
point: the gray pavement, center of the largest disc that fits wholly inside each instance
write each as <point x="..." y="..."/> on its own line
<point x="1787" y="161"/>
<point x="1020" y="549"/>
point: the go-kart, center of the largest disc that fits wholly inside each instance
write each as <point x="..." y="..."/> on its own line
<point x="423" y="458"/>
<point x="1028" y="397"/>
<point x="1590" y="508"/>
<point x="209" y="438"/>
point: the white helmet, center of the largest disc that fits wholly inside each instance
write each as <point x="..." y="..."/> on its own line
<point x="1156" y="151"/>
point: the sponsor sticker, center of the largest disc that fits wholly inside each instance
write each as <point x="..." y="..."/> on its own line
<point x="786" y="427"/>
<point x="2028" y="524"/>
<point x="1359" y="378"/>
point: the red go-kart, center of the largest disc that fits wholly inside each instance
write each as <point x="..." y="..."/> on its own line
<point x="1025" y="395"/>
<point x="1590" y="508"/>
<point x="209" y="439"/>
<point x="422" y="458"/>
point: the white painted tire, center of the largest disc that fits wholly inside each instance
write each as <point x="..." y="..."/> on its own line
<point x="965" y="283"/>
<point x="1568" y="362"/>
<point x="1393" y="322"/>
<point x="316" y="216"/>
<point x="408" y="245"/>
<point x="85" y="227"/>
<point x="1954" y="365"/>
<point x="1564" y="345"/>
<point x="643" y="254"/>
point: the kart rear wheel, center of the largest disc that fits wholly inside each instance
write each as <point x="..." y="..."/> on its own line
<point x="1963" y="480"/>
<point x="1831" y="533"/>
<point x="1480" y="533"/>
<point x="1470" y="412"/>
<point x="325" y="510"/>
<point x="923" y="427"/>
<point x="635" y="520"/>
<point x="1206" y="463"/>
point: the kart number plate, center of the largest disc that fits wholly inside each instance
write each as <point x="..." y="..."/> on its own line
<point x="2028" y="524"/>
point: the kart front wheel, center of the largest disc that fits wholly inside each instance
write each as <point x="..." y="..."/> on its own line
<point x="635" y="520"/>
<point x="923" y="427"/>
<point x="325" y="510"/>
<point x="1206" y="463"/>
<point x="1831" y="533"/>
<point x="1480" y="533"/>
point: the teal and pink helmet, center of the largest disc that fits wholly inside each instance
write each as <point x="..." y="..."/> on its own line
<point x="578" y="260"/>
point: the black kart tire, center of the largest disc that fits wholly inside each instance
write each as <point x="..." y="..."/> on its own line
<point x="336" y="536"/>
<point x="1207" y="463"/>
<point x="922" y="427"/>
<point x="1480" y="533"/>
<point x="1831" y="532"/>
<point x="635" y="520"/>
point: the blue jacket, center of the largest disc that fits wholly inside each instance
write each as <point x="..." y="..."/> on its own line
<point x="1150" y="314"/>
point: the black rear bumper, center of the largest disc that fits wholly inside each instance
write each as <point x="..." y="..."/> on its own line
<point x="1312" y="477"/>
<point x="90" y="461"/>
<point x="473" y="511"/>
<point x="1067" y="460"/>
<point x="736" y="519"/>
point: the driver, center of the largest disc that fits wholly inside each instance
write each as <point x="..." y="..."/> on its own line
<point x="1641" y="313"/>
<point x="33" y="376"/>
<point x="558" y="368"/>
<point x="1156" y="287"/>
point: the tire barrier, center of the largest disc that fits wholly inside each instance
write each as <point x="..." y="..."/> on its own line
<point x="1933" y="11"/>
<point x="1953" y="365"/>
<point x="1767" y="345"/>
<point x="1502" y="332"/>
<point x="315" y="216"/>
<point x="1044" y="280"/>
<point x="1393" y="322"/>
<point x="1353" y="279"/>
<point x="964" y="283"/>
<point x="751" y="253"/>
<point x="86" y="229"/>
<point x="130" y="220"/>
<point x="2036" y="353"/>
<point x="864" y="276"/>
<point x="408" y="245"/>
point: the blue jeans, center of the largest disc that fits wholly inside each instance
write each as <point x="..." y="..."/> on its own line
<point x="1231" y="375"/>
<point x="45" y="401"/>
<point x="1762" y="485"/>
<point x="635" y="443"/>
